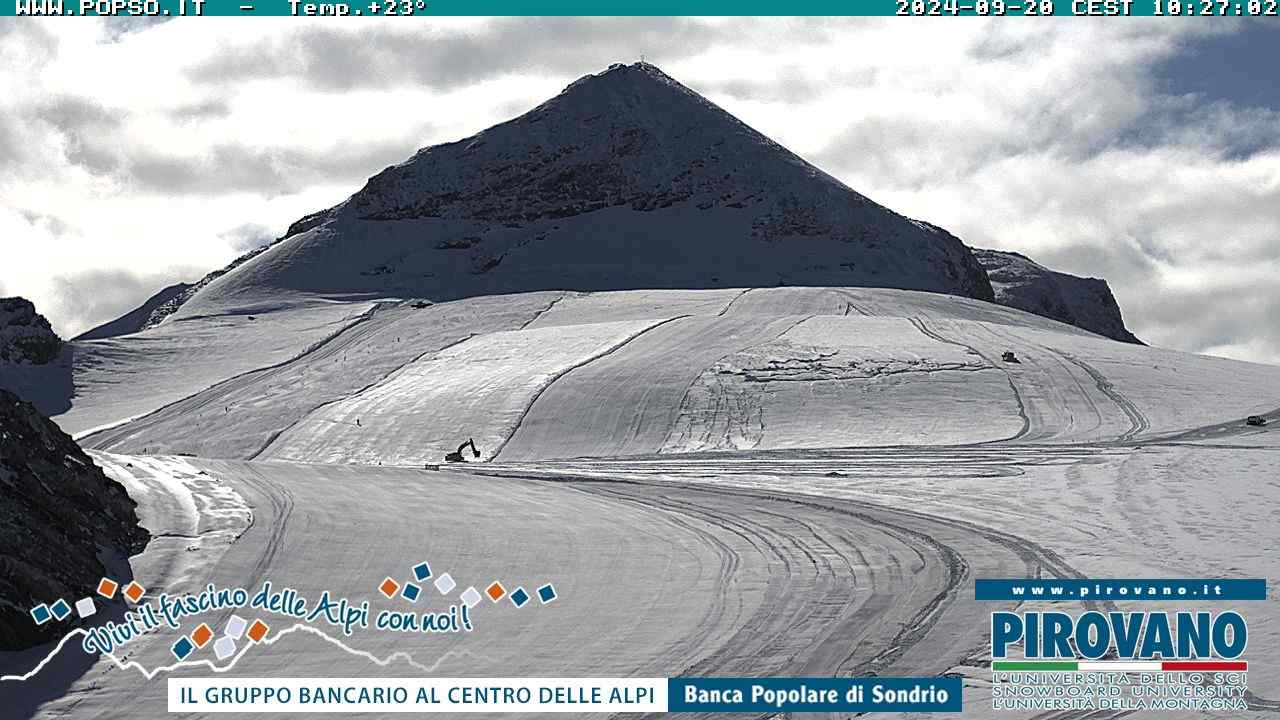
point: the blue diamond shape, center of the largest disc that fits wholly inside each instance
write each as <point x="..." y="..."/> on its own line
<point x="411" y="592"/>
<point x="61" y="609"/>
<point x="421" y="571"/>
<point x="182" y="648"/>
<point x="546" y="593"/>
<point x="519" y="597"/>
<point x="40" y="614"/>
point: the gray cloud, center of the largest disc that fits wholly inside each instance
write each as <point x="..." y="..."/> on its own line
<point x="94" y="139"/>
<point x="337" y="60"/>
<point x="11" y="152"/>
<point x="213" y="108"/>
<point x="54" y="224"/>
<point x="26" y="40"/>
<point x="1203" y="319"/>
<point x="81" y="300"/>
<point x="227" y="168"/>
<point x="246" y="237"/>
<point x="76" y="114"/>
<point x="793" y="84"/>
<point x="117" y="28"/>
<point x="89" y="128"/>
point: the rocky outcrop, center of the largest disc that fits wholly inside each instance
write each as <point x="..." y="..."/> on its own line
<point x="25" y="335"/>
<point x="1026" y="285"/>
<point x="34" y="362"/>
<point x="59" y="516"/>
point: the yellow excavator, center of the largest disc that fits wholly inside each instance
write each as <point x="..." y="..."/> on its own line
<point x="456" y="455"/>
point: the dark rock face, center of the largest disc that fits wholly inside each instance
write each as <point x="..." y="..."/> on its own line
<point x="1086" y="303"/>
<point x="58" y="513"/>
<point x="25" y="335"/>
<point x="34" y="362"/>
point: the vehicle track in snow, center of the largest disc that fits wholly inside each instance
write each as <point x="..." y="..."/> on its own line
<point x="1138" y="422"/>
<point x="262" y="405"/>
<point x="1017" y="396"/>
<point x="730" y="581"/>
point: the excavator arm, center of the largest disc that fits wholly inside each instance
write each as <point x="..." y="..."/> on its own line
<point x="456" y="456"/>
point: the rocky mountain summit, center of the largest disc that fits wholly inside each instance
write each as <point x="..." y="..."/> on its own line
<point x="1026" y="285"/>
<point x="59" y="518"/>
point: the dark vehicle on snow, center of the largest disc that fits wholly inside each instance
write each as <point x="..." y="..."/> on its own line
<point x="457" y="456"/>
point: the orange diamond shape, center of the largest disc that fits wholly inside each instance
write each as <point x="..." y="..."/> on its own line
<point x="389" y="588"/>
<point x="495" y="591"/>
<point x="258" y="630"/>
<point x="202" y="635"/>
<point x="107" y="588"/>
<point x="134" y="591"/>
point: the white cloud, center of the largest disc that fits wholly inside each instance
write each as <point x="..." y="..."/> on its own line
<point x="1057" y="138"/>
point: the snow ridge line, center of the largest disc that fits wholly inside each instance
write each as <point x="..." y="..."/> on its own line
<point x="544" y="310"/>
<point x="82" y="438"/>
<point x="736" y="298"/>
<point x="532" y="401"/>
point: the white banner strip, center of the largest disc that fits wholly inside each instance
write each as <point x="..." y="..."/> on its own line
<point x="1118" y="665"/>
<point x="416" y="695"/>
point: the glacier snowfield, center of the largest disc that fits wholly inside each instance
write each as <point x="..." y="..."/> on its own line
<point x="769" y="481"/>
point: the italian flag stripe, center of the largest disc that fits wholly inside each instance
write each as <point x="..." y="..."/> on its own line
<point x="1121" y="665"/>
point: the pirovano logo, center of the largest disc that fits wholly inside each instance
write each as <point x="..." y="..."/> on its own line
<point x="1107" y="658"/>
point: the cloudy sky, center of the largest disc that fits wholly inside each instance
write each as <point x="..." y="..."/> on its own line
<point x="1145" y="152"/>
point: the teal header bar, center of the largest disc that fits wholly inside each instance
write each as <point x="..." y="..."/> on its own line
<point x="426" y="8"/>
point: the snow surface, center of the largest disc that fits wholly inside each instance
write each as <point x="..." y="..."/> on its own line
<point x="769" y="551"/>
<point x="118" y="379"/>
<point x="556" y="375"/>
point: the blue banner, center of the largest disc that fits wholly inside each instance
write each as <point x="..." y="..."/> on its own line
<point x="842" y="695"/>
<point x="1169" y="590"/>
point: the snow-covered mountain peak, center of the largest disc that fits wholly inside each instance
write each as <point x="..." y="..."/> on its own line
<point x="627" y="179"/>
<point x="629" y="136"/>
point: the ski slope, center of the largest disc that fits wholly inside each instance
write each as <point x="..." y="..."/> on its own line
<point x="767" y="481"/>
<point x="119" y="378"/>
<point x="836" y="562"/>
<point x="651" y="579"/>
<point x="569" y="374"/>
